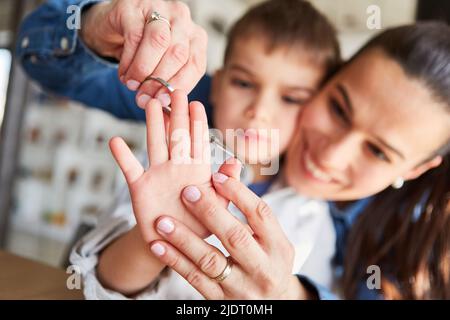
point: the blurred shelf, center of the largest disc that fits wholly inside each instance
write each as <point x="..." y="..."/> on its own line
<point x="39" y="228"/>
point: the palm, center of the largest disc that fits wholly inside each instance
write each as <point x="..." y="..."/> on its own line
<point x="157" y="191"/>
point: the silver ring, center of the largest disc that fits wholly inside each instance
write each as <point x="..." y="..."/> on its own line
<point x="163" y="82"/>
<point x="155" y="16"/>
<point x="226" y="272"/>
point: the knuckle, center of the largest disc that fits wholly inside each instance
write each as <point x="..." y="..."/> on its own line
<point x="133" y="38"/>
<point x="174" y="262"/>
<point x="199" y="62"/>
<point x="238" y="237"/>
<point x="263" y="210"/>
<point x="183" y="244"/>
<point x="209" y="262"/>
<point x="194" y="278"/>
<point x="199" y="55"/>
<point x="290" y="250"/>
<point x="202" y="38"/>
<point x="202" y="34"/>
<point x="211" y="212"/>
<point x="182" y="10"/>
<point x="180" y="53"/>
<point x="268" y="285"/>
<point x="160" y="39"/>
<point x="141" y="70"/>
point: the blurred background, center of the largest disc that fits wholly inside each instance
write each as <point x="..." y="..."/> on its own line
<point x="56" y="172"/>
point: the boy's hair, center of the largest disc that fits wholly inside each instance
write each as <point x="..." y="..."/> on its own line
<point x="288" y="24"/>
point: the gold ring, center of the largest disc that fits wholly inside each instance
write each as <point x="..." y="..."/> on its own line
<point x="226" y="272"/>
<point x="155" y="16"/>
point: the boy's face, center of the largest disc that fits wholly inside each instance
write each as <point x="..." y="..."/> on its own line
<point x="261" y="93"/>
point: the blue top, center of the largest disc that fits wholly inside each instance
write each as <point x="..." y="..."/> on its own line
<point x="260" y="188"/>
<point x="79" y="74"/>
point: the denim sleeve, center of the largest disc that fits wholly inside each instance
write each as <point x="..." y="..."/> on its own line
<point x="53" y="55"/>
<point x="317" y="290"/>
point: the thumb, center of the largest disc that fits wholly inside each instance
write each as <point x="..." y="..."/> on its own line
<point x="231" y="168"/>
<point x="130" y="166"/>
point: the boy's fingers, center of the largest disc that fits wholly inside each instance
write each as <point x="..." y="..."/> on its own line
<point x="199" y="133"/>
<point x="156" y="133"/>
<point x="180" y="140"/>
<point x="130" y="166"/>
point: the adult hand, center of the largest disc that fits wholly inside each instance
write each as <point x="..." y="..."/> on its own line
<point x="176" y="53"/>
<point x="262" y="254"/>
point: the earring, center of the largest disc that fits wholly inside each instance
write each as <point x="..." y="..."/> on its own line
<point x="398" y="183"/>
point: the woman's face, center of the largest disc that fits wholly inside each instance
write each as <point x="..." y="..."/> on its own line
<point x="369" y="126"/>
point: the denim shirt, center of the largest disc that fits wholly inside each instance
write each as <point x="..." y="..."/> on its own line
<point x="55" y="57"/>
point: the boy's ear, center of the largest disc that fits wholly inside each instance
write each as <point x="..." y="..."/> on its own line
<point x="424" y="167"/>
<point x="215" y="85"/>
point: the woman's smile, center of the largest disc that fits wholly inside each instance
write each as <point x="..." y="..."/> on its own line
<point x="313" y="171"/>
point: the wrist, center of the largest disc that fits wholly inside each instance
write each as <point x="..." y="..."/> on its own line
<point x="127" y="264"/>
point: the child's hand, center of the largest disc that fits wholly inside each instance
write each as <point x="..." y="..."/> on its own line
<point x="173" y="165"/>
<point x="184" y="161"/>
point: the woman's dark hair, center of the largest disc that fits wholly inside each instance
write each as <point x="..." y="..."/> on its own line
<point x="406" y="232"/>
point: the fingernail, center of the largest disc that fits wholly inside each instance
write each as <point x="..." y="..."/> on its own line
<point x="143" y="100"/>
<point x="165" y="99"/>
<point x="165" y="226"/>
<point x="219" y="177"/>
<point x="133" y="85"/>
<point x="192" y="194"/>
<point x="122" y="79"/>
<point x="158" y="249"/>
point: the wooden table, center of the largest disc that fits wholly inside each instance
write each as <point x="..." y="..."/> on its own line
<point x="22" y="279"/>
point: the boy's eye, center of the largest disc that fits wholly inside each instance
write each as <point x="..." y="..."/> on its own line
<point x="338" y="111"/>
<point x="242" y="83"/>
<point x="292" y="100"/>
<point x="378" y="153"/>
